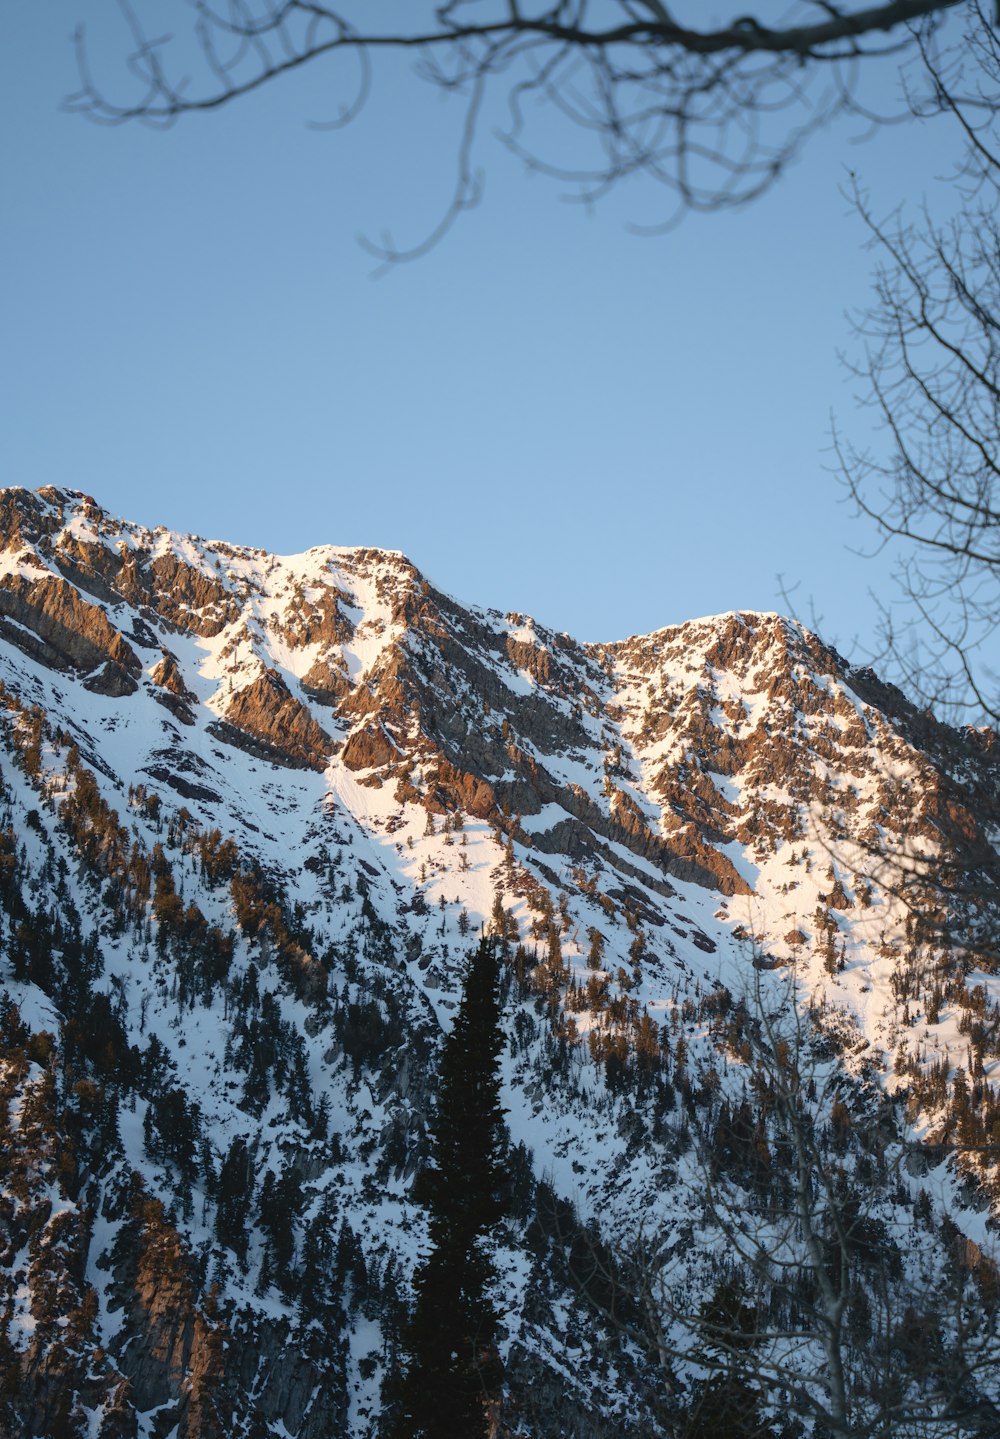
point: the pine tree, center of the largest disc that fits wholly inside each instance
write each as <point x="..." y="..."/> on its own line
<point x="235" y="1190"/>
<point x="452" y="1381"/>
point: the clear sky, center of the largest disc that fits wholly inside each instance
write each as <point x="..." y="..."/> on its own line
<point x="546" y="413"/>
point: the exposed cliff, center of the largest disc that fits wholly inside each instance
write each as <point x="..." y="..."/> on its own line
<point x="252" y="811"/>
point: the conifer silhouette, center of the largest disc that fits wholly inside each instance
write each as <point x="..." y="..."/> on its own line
<point x="451" y="1385"/>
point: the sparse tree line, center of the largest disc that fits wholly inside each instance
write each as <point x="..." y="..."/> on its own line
<point x="812" y="1311"/>
<point x="813" y="1318"/>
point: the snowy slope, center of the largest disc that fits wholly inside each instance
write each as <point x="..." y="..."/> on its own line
<point x="261" y="805"/>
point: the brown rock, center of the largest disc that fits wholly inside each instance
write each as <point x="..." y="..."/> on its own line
<point x="27" y="517"/>
<point x="267" y="710"/>
<point x="532" y="658"/>
<point x="465" y="791"/>
<point x="72" y="633"/>
<point x="189" y="598"/>
<point x="174" y="693"/>
<point x="325" y="683"/>
<point x="169" y="677"/>
<point x="90" y="566"/>
<point x="369" y="748"/>
<point x="320" y="620"/>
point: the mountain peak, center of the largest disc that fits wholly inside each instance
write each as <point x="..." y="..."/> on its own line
<point x="252" y="808"/>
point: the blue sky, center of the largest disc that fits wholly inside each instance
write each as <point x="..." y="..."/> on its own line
<point x="546" y="413"/>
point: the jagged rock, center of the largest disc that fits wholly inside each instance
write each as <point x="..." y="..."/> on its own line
<point x="369" y="748"/>
<point x="268" y="711"/>
<point x="168" y="676"/>
<point x="72" y="633"/>
<point x="245" y="976"/>
<point x="325" y="683"/>
<point x="463" y="791"/>
<point x="188" y="597"/>
<point x="317" y="619"/>
<point x="175" y="694"/>
<point x="111" y="680"/>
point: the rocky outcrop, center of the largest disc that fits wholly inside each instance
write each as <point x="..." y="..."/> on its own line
<point x="201" y="1375"/>
<point x="27" y="517"/>
<point x="316" y="618"/>
<point x="532" y="658"/>
<point x="174" y="693"/>
<point x="187" y="597"/>
<point x="268" y="712"/>
<point x="183" y="594"/>
<point x="55" y="625"/>
<point x="111" y="680"/>
<point x="168" y="675"/>
<point x="369" y="748"/>
<point x="95" y="567"/>
<point x="157" y="1286"/>
<point x="326" y="682"/>
<point x="457" y="789"/>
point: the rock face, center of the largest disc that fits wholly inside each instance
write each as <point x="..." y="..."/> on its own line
<point x="253" y="810"/>
<point x="267" y="710"/>
<point x="54" y="624"/>
<point x="176" y="695"/>
<point x="700" y="738"/>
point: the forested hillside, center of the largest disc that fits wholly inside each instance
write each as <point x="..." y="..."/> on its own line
<point x="255" y="814"/>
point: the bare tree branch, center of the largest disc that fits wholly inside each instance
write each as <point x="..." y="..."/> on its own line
<point x="789" y="1295"/>
<point x="930" y="371"/>
<point x="712" y="113"/>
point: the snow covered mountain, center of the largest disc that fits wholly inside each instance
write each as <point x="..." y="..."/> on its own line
<point x="253" y="811"/>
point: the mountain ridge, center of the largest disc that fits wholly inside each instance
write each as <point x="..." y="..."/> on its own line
<point x="251" y="812"/>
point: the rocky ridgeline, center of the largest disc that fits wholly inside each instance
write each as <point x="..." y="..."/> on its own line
<point x="482" y="702"/>
<point x="251" y="809"/>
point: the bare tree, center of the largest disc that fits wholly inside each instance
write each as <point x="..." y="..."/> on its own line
<point x="788" y="1305"/>
<point x="711" y="111"/>
<point x="779" y="1308"/>
<point x="930" y="369"/>
<point x="929" y="481"/>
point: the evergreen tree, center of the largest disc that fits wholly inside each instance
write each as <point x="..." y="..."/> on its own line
<point x="452" y="1382"/>
<point x="235" y="1191"/>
